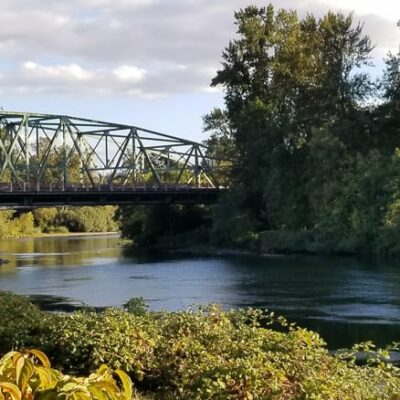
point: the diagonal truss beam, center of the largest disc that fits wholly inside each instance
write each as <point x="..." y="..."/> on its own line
<point x="68" y="147"/>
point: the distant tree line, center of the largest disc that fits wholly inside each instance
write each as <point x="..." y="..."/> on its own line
<point x="57" y="220"/>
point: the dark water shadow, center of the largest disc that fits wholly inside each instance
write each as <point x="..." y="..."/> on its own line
<point x="59" y="304"/>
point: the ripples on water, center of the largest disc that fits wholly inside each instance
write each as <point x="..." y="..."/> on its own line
<point x="345" y="299"/>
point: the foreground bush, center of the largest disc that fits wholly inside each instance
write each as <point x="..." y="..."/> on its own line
<point x="20" y="322"/>
<point x="207" y="353"/>
<point x="28" y="376"/>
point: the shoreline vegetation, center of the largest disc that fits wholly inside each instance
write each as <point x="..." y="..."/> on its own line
<point x="42" y="222"/>
<point x="199" y="353"/>
<point x="43" y="235"/>
<point x="314" y="138"/>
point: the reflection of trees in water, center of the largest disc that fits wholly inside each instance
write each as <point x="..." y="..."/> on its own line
<point x="56" y="252"/>
<point x="59" y="303"/>
<point x="344" y="334"/>
<point x="344" y="298"/>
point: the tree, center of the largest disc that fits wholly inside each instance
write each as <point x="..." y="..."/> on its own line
<point x="53" y="158"/>
<point x="284" y="78"/>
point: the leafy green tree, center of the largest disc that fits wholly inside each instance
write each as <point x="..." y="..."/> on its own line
<point x="53" y="157"/>
<point x="296" y="95"/>
<point x="146" y="225"/>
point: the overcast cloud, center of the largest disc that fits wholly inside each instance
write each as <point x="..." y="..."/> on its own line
<point x="142" y="48"/>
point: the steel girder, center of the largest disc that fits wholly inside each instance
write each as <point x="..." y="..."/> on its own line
<point x="42" y="151"/>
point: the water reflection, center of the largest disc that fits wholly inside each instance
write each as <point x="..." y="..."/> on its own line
<point x="345" y="299"/>
<point x="56" y="251"/>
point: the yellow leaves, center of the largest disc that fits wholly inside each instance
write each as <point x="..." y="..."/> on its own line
<point x="41" y="357"/>
<point x="24" y="370"/>
<point x="10" y="389"/>
<point x="45" y="377"/>
<point x="126" y="383"/>
<point x="27" y="376"/>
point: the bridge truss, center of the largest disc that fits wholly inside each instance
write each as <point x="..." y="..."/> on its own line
<point x="44" y="153"/>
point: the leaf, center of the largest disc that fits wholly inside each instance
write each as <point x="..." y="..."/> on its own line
<point x="11" y="389"/>
<point x="8" y="356"/>
<point x="45" y="377"/>
<point x="69" y="387"/>
<point x="109" y="387"/>
<point x="41" y="357"/>
<point x="24" y="370"/>
<point x="98" y="393"/>
<point x="126" y="383"/>
<point x="102" y="369"/>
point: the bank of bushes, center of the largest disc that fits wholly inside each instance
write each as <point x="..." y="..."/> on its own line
<point x="79" y="219"/>
<point x="57" y="220"/>
<point x="203" y="353"/>
<point x="12" y="226"/>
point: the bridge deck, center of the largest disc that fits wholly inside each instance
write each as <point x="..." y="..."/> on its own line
<point x="92" y="197"/>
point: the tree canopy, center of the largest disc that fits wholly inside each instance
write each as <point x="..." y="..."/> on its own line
<point x="315" y="137"/>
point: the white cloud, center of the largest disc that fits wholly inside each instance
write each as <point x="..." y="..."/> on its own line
<point x="129" y="73"/>
<point x="125" y="80"/>
<point x="387" y="9"/>
<point x="70" y="71"/>
<point x="145" y="48"/>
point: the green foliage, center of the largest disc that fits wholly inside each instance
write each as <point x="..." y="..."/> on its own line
<point x="147" y="224"/>
<point x="20" y="321"/>
<point x="84" y="340"/>
<point x="26" y="223"/>
<point x="201" y="353"/>
<point x="13" y="226"/>
<point x="45" y="218"/>
<point x="53" y="174"/>
<point x="28" y="376"/>
<point x="80" y="219"/>
<point x="234" y="225"/>
<point x="220" y="145"/>
<point x="52" y="220"/>
<point x="136" y="306"/>
<point x="316" y="161"/>
<point x="89" y="219"/>
<point x="56" y="229"/>
<point x="207" y="353"/>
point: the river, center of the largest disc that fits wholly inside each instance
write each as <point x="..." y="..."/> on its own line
<point x="346" y="300"/>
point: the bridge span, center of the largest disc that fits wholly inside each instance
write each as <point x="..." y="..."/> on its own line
<point x="108" y="196"/>
<point x="57" y="160"/>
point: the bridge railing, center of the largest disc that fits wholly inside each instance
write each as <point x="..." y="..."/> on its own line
<point x="43" y="188"/>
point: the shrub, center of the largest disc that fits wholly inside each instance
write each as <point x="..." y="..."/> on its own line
<point x="82" y="341"/>
<point x="89" y="219"/>
<point x="56" y="229"/>
<point x="136" y="306"/>
<point x="206" y="353"/>
<point x="26" y="224"/>
<point x="211" y="354"/>
<point x="21" y="322"/>
<point x="28" y="376"/>
<point x="45" y="218"/>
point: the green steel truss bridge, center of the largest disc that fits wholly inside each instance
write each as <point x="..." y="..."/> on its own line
<point x="56" y="160"/>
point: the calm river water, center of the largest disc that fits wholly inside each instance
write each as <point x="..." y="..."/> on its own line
<point x="346" y="300"/>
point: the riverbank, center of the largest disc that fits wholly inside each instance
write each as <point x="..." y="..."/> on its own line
<point x="202" y="353"/>
<point x="266" y="243"/>
<point x="71" y="234"/>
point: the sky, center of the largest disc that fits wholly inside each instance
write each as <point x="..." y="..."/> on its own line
<point x="148" y="63"/>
